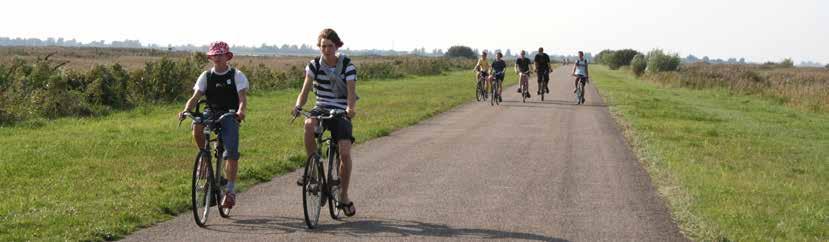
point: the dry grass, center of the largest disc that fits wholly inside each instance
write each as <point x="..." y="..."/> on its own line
<point x="803" y="88"/>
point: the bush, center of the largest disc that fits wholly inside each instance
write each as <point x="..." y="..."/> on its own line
<point x="638" y="64"/>
<point x="602" y="56"/>
<point x="658" y="61"/>
<point x="460" y="51"/>
<point x="827" y="66"/>
<point x="787" y="63"/>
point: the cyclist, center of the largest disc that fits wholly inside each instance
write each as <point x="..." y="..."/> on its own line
<point x="580" y="70"/>
<point x="522" y="67"/>
<point x="225" y="88"/>
<point x="542" y="68"/>
<point x="333" y="91"/>
<point x="483" y="68"/>
<point x="499" y="68"/>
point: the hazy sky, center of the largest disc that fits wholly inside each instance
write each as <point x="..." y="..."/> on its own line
<point x="758" y="30"/>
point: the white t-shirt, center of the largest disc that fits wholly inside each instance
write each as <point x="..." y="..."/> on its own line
<point x="240" y="79"/>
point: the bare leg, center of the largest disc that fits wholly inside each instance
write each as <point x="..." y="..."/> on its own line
<point x="310" y="144"/>
<point x="198" y="135"/>
<point x="345" y="167"/>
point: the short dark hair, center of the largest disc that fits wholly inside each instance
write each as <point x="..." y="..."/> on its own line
<point x="540" y="49"/>
<point x="331" y="35"/>
<point x="581" y="53"/>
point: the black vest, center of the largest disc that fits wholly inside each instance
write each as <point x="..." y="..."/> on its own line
<point x="221" y="91"/>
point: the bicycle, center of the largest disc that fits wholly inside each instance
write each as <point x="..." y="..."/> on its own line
<point x="206" y="190"/>
<point x="543" y="84"/>
<point x="480" y="88"/>
<point x="525" y="86"/>
<point x="580" y="89"/>
<point x="496" y="98"/>
<point x="316" y="188"/>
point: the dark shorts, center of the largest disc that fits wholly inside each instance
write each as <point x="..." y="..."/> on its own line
<point x="499" y="77"/>
<point x="340" y="127"/>
<point x="543" y="76"/>
<point x="581" y="78"/>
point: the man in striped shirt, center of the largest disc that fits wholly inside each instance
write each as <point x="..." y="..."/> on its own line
<point x="333" y="91"/>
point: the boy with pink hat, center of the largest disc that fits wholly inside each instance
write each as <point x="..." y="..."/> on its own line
<point x="225" y="89"/>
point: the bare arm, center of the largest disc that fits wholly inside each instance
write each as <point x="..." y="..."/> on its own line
<point x="351" y="101"/>
<point x="243" y="104"/>
<point x="191" y="102"/>
<point x="303" y="94"/>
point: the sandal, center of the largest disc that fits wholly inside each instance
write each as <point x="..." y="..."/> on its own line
<point x="348" y="208"/>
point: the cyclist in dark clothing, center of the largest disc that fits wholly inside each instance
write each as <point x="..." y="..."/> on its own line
<point x="542" y="68"/>
<point x="522" y="67"/>
<point x="499" y="68"/>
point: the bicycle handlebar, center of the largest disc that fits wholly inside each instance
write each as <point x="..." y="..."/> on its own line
<point x="331" y="114"/>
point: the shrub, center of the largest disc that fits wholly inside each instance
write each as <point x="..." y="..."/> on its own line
<point x="638" y="64"/>
<point x="460" y="51"/>
<point x="787" y="63"/>
<point x="658" y="61"/>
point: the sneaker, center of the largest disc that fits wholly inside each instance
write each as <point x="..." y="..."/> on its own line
<point x="229" y="200"/>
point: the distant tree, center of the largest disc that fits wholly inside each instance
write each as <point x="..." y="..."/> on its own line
<point x="638" y="64"/>
<point x="691" y="59"/>
<point x="461" y="51"/>
<point x="827" y="66"/>
<point x="706" y="59"/>
<point x="508" y="53"/>
<point x="787" y="63"/>
<point x="742" y="60"/>
<point x="658" y="61"/>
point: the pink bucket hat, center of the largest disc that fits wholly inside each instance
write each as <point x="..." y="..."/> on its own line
<point x="219" y="48"/>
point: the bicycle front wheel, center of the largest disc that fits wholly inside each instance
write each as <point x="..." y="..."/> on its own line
<point x="221" y="181"/>
<point x="334" y="182"/>
<point x="202" y="188"/>
<point x="312" y="192"/>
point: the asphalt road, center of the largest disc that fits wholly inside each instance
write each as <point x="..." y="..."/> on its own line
<point x="539" y="171"/>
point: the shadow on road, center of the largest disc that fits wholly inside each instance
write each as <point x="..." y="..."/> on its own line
<point x="369" y="228"/>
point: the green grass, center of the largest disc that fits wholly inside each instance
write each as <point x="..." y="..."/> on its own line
<point x="101" y="178"/>
<point x="732" y="167"/>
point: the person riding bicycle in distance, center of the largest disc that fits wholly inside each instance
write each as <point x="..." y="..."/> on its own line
<point x="580" y="71"/>
<point x="542" y="68"/>
<point x="321" y="76"/>
<point x="522" y="67"/>
<point x="499" y="68"/>
<point x="225" y="88"/>
<point x="483" y="68"/>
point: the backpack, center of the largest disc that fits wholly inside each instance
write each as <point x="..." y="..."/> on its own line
<point x="338" y="86"/>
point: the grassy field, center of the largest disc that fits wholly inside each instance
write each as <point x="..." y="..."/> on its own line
<point x="732" y="167"/>
<point x="101" y="178"/>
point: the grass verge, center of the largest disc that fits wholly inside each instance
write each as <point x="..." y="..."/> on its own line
<point x="732" y="167"/>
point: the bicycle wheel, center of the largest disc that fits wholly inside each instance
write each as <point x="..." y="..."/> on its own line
<point x="312" y="192"/>
<point x="492" y="94"/>
<point x="202" y="188"/>
<point x="580" y="93"/>
<point x="478" y="95"/>
<point x="334" y="183"/>
<point x="221" y="182"/>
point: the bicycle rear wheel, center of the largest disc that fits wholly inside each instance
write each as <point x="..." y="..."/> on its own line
<point x="334" y="183"/>
<point x="312" y="192"/>
<point x="202" y="188"/>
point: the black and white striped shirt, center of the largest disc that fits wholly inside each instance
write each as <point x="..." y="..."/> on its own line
<point x="322" y="86"/>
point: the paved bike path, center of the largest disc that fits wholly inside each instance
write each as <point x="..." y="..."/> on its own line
<point x="538" y="171"/>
